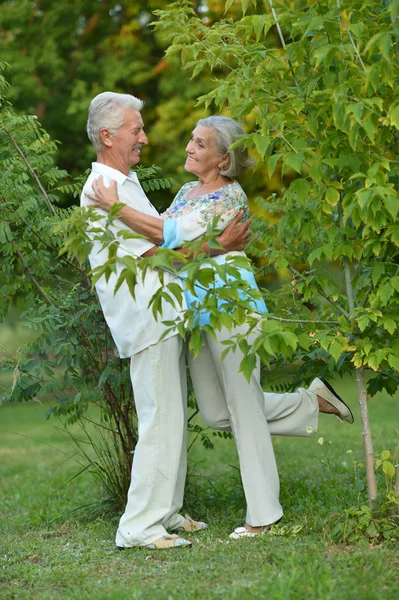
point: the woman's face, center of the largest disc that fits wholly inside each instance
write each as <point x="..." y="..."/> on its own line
<point x="202" y="156"/>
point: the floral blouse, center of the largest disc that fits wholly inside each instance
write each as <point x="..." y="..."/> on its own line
<point x="225" y="201"/>
<point x="186" y="220"/>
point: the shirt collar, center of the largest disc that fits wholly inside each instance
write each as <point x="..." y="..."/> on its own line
<point x="112" y="173"/>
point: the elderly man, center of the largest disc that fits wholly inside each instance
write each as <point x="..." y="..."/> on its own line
<point x="157" y="368"/>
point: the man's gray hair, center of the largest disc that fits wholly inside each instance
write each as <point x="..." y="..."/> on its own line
<point x="227" y="131"/>
<point x="107" y="111"/>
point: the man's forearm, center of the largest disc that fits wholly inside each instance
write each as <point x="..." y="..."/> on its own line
<point x="150" y="227"/>
<point x="232" y="238"/>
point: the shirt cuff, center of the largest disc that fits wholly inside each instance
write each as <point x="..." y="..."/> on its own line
<point x="171" y="238"/>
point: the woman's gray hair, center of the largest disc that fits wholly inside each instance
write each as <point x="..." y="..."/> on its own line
<point x="227" y="131"/>
<point x="107" y="111"/>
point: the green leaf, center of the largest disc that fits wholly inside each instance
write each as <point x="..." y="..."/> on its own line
<point x="121" y="279"/>
<point x="131" y="283"/>
<point x="362" y="322"/>
<point x="385" y="292"/>
<point x="388" y="469"/>
<point x="373" y="361"/>
<point x="392" y="205"/>
<point x="389" y="325"/>
<point x="394" y="10"/>
<point x="395" y="282"/>
<point x="393" y="115"/>
<point x="200" y="65"/>
<point x="177" y="291"/>
<point x="316" y="172"/>
<point x="262" y="143"/>
<point x="301" y="187"/>
<point x="336" y="350"/>
<point x="369" y="128"/>
<point x="315" y="255"/>
<point x="332" y="196"/>
<point x="325" y="54"/>
<point x="206" y="277"/>
<point x="261" y="23"/>
<point x="294" y="160"/>
<point x="304" y="341"/>
<point x="272" y="163"/>
<point x="281" y="262"/>
<point x="393" y="361"/>
<point x="377" y="270"/>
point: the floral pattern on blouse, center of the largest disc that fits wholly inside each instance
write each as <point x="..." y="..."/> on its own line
<point x="187" y="219"/>
<point x="228" y="200"/>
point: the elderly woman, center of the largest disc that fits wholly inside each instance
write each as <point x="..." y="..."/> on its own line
<point x="226" y="399"/>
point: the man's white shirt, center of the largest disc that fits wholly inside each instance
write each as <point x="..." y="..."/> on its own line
<point x="131" y="321"/>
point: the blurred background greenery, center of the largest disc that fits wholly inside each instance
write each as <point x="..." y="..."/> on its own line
<point x="62" y="54"/>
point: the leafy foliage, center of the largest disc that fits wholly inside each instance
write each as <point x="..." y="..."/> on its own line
<point x="325" y="106"/>
<point x="91" y="47"/>
<point x="73" y="359"/>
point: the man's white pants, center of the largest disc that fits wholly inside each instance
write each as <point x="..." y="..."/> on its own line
<point x="229" y="402"/>
<point x="155" y="495"/>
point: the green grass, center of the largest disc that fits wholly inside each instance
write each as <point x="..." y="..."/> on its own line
<point x="47" y="551"/>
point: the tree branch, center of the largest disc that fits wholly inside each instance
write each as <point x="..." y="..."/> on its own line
<point x="269" y="316"/>
<point x="335" y="304"/>
<point x="33" y="279"/>
<point x="31" y="170"/>
<point x="355" y="47"/>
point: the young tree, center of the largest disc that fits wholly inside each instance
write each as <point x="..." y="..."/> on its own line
<point x="325" y="105"/>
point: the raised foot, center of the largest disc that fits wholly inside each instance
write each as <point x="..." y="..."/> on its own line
<point x="329" y="401"/>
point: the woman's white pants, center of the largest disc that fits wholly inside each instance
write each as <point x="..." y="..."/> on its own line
<point x="229" y="402"/>
<point x="156" y="491"/>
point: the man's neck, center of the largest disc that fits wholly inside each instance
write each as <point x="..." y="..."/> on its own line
<point x="110" y="161"/>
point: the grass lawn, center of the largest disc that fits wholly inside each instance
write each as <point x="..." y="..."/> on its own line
<point x="47" y="551"/>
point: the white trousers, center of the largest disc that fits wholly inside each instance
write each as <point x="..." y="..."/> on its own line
<point x="229" y="402"/>
<point x="160" y="458"/>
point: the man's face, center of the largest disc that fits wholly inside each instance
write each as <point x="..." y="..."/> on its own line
<point x="128" y="140"/>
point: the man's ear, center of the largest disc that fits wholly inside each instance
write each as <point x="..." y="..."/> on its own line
<point x="106" y="137"/>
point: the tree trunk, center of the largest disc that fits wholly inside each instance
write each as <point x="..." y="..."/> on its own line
<point x="367" y="439"/>
<point x="362" y="397"/>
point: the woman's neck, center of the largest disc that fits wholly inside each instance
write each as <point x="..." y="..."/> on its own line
<point x="212" y="181"/>
<point x="207" y="186"/>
